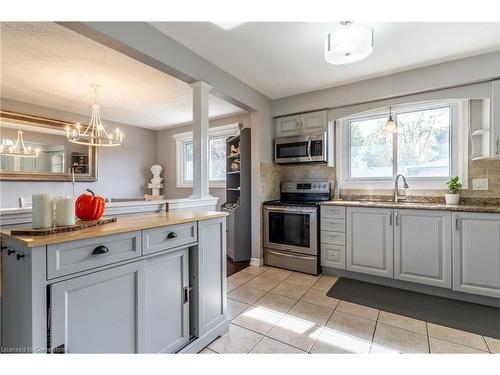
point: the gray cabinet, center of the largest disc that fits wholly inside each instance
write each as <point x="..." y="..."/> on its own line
<point x="208" y="262"/>
<point x="422" y="247"/>
<point x="167" y="302"/>
<point x="102" y="312"/>
<point x="370" y="241"/>
<point x="476" y="253"/>
<point x="306" y="123"/>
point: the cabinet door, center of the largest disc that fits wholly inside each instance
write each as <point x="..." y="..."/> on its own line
<point x="476" y="253"/>
<point x="101" y="312"/>
<point x="370" y="241"/>
<point x="314" y="122"/>
<point x="422" y="247"/>
<point x="208" y="277"/>
<point x="288" y="126"/>
<point x="167" y="302"/>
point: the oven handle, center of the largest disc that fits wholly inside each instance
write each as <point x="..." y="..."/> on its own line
<point x="289" y="255"/>
<point x="285" y="210"/>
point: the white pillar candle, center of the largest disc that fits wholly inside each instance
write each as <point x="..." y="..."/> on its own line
<point x="42" y="211"/>
<point x="65" y="211"/>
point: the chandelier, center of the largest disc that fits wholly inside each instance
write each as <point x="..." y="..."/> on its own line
<point x="348" y="44"/>
<point x="94" y="134"/>
<point x="19" y="149"/>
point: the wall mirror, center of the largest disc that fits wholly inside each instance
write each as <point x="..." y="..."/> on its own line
<point x="36" y="149"/>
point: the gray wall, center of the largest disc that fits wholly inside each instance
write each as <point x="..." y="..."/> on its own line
<point x="122" y="171"/>
<point x="166" y="152"/>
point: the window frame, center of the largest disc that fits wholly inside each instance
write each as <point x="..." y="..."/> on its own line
<point x="458" y="152"/>
<point x="181" y="139"/>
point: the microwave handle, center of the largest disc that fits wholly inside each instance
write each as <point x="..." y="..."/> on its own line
<point x="309" y="148"/>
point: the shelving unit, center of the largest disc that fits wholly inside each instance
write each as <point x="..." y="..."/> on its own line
<point x="238" y="197"/>
<point x="480" y="131"/>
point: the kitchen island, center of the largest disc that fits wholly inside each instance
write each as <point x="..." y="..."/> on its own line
<point x="148" y="283"/>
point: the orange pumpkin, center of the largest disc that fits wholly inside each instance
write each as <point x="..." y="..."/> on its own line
<point x="88" y="206"/>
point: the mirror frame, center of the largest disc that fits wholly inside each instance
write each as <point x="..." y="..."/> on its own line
<point x="46" y="123"/>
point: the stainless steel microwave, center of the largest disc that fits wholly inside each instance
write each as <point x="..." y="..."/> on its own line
<point x="311" y="148"/>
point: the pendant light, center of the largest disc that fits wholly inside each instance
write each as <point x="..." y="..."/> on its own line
<point x="94" y="134"/>
<point x="19" y="149"/>
<point x="390" y="125"/>
<point x="348" y="44"/>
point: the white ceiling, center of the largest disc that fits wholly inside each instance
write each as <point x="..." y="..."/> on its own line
<point x="48" y="65"/>
<point x="285" y="58"/>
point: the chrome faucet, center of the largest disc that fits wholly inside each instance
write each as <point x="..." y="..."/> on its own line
<point x="397" y="196"/>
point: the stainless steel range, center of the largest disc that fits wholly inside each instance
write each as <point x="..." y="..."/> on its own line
<point x="291" y="226"/>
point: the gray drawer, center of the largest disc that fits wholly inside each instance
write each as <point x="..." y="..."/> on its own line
<point x="163" y="238"/>
<point x="75" y="256"/>
<point x="333" y="225"/>
<point x="334" y="238"/>
<point x="291" y="261"/>
<point x="332" y="212"/>
<point x="333" y="256"/>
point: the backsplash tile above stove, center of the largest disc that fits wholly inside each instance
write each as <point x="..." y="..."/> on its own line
<point x="273" y="174"/>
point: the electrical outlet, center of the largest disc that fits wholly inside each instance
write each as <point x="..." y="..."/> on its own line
<point x="479" y="184"/>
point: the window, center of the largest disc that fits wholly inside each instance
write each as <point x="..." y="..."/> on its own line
<point x="426" y="149"/>
<point x="217" y="156"/>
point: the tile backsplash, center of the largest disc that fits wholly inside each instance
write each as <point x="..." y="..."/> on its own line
<point x="273" y="174"/>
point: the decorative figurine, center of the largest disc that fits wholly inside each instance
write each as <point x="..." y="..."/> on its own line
<point x="235" y="149"/>
<point x="235" y="166"/>
<point x="156" y="184"/>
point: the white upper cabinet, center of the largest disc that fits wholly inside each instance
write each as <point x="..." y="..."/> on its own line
<point x="314" y="122"/>
<point x="422" y="247"/>
<point x="306" y="123"/>
<point x="288" y="126"/>
<point x="495" y="118"/>
<point x="370" y="241"/>
<point x="476" y="253"/>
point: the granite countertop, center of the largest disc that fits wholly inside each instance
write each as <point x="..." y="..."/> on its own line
<point x="125" y="223"/>
<point x="415" y="206"/>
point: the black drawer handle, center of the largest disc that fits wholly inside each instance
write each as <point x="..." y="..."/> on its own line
<point x="171" y="235"/>
<point x="100" y="250"/>
<point x="9" y="251"/>
<point x="19" y="256"/>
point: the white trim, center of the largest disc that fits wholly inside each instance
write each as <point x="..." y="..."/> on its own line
<point x="187" y="137"/>
<point x="458" y="140"/>
<point x="257" y="262"/>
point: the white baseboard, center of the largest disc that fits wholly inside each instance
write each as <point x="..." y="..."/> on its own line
<point x="257" y="262"/>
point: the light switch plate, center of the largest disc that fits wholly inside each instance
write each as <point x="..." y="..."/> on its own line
<point x="479" y="184"/>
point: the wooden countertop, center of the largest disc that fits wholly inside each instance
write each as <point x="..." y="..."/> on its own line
<point x="125" y="223"/>
<point x="415" y="205"/>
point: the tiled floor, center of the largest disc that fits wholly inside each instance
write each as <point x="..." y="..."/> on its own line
<point x="278" y="311"/>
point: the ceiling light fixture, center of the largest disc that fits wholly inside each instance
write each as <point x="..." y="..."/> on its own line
<point x="94" y="133"/>
<point x="19" y="149"/>
<point x="228" y="25"/>
<point x="348" y="44"/>
<point x="390" y="125"/>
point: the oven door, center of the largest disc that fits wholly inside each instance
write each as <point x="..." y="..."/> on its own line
<point x="291" y="229"/>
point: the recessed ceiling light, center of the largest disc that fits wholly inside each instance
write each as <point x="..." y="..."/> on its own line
<point x="228" y="25"/>
<point x="348" y="44"/>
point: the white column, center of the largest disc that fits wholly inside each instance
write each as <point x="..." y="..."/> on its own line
<point x="200" y="139"/>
